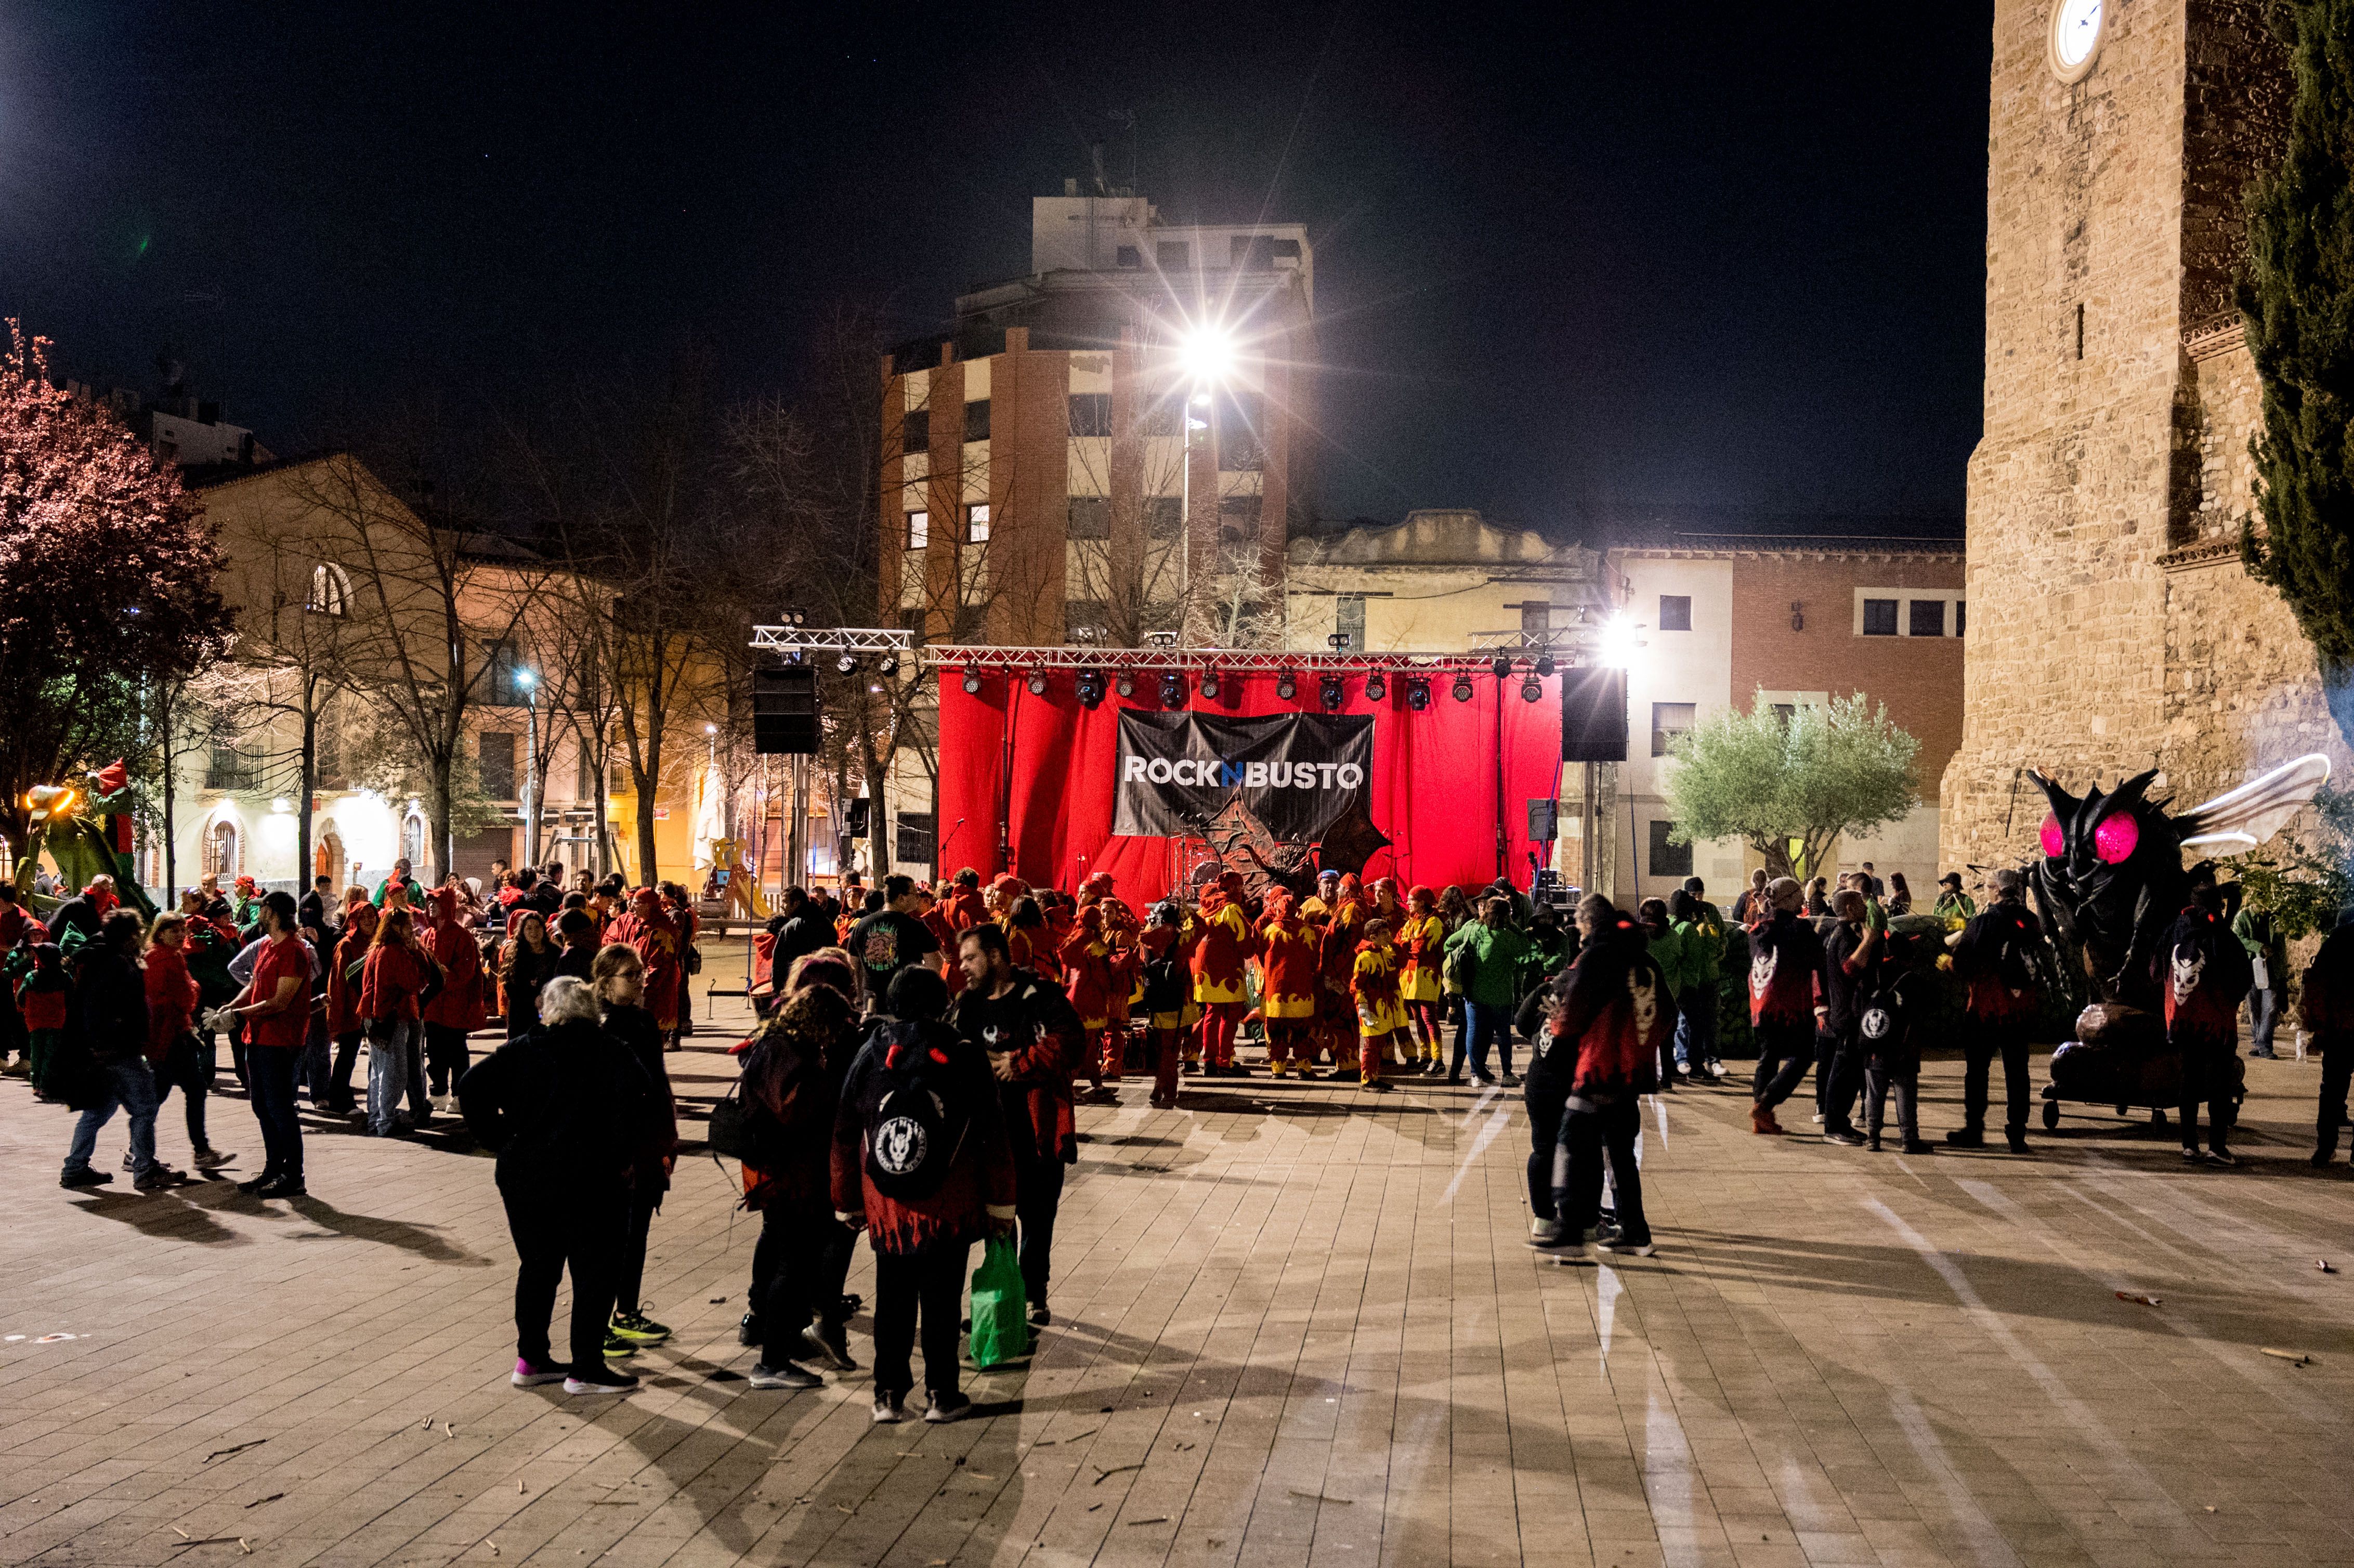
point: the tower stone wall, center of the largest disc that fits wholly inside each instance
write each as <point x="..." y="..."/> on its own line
<point x="2112" y="627"/>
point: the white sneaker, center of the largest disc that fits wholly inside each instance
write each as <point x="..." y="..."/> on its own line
<point x="1543" y="1230"/>
<point x="1817" y="1119"/>
<point x="890" y="1409"/>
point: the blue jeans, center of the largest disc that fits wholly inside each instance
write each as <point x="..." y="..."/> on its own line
<point x="1486" y="1024"/>
<point x="270" y="1070"/>
<point x="1696" y="1026"/>
<point x="396" y="1068"/>
<point x="2264" y="1016"/>
<point x="132" y="1087"/>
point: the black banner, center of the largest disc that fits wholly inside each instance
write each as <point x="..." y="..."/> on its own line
<point x="1297" y="772"/>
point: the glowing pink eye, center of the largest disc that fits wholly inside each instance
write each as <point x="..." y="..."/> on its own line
<point x="2115" y="839"/>
<point x="2055" y="843"/>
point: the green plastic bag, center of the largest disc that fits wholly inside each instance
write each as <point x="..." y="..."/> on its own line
<point x="1000" y="1317"/>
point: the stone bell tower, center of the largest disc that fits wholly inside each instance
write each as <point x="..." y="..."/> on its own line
<point x="2112" y="627"/>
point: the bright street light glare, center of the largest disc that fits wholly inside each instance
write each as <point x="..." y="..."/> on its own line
<point x="526" y="678"/>
<point x="1616" y="645"/>
<point x="1207" y="354"/>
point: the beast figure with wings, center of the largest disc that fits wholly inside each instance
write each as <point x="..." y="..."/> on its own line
<point x="1240" y="843"/>
<point x="2110" y="885"/>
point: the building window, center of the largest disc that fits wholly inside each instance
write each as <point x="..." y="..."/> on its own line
<point x="330" y="589"/>
<point x="976" y="525"/>
<point x="1253" y="252"/>
<point x="226" y="768"/>
<point x="1537" y="618"/>
<point x="1349" y="621"/>
<point x="1090" y="413"/>
<point x="1086" y="620"/>
<point x="1238" y="517"/>
<point x="1675" y="612"/>
<point x="916" y="433"/>
<point x="1090" y="517"/>
<point x="1161" y="418"/>
<point x="412" y="843"/>
<point x="1784" y="713"/>
<point x="584" y="775"/>
<point x="920" y="530"/>
<point x="919" y="830"/>
<point x="221" y="851"/>
<point x="1961" y="616"/>
<point x="1928" y="617"/>
<point x="1172" y="255"/>
<point x="1880" y="618"/>
<point x="503" y="683"/>
<point x="494" y="760"/>
<point x="1241" y="425"/>
<point x="1667" y="859"/>
<point x="1670" y="720"/>
<point x="1126" y="256"/>
<point x="976" y="420"/>
<point x="1164" y="516"/>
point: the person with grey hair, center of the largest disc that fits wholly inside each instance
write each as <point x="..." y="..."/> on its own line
<point x="570" y="1113"/>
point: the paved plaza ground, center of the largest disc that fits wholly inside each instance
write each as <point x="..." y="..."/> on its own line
<point x="1292" y="1328"/>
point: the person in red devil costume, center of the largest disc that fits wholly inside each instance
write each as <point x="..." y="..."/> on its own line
<point x="1226" y="942"/>
<point x="657" y="941"/>
<point x="1290" y="984"/>
<point x="457" y="1009"/>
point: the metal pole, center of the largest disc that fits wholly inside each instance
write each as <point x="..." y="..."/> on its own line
<point x="531" y="776"/>
<point x="1586" y="832"/>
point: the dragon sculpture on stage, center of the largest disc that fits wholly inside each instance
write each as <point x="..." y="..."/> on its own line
<point x="2110" y="886"/>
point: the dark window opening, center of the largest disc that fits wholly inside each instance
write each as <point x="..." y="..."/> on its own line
<point x="1164" y="516"/>
<point x="1675" y="612"/>
<point x="1880" y="618"/>
<point x="1086" y="620"/>
<point x="1670" y="720"/>
<point x="502" y="683"/>
<point x="494" y="758"/>
<point x="1126" y="256"/>
<point x="2080" y="332"/>
<point x="1162" y="419"/>
<point x="1172" y="255"/>
<point x="918" y="829"/>
<point x="915" y="431"/>
<point x="1927" y="618"/>
<point x="1536" y="618"/>
<point x="1961" y="616"/>
<point x="1349" y="621"/>
<point x="1239" y="511"/>
<point x="1090" y="413"/>
<point x="976" y="420"/>
<point x="1090" y="517"/>
<point x="1669" y="858"/>
<point x="1253" y="252"/>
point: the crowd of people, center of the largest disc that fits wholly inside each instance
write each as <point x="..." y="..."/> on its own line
<point x="915" y="1070"/>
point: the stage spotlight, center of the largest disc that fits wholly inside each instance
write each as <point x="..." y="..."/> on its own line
<point x="1209" y="684"/>
<point x="1126" y="685"/>
<point x="847" y="663"/>
<point x="1331" y="693"/>
<point x="1502" y="666"/>
<point x="1417" y="696"/>
<point x="1532" y="689"/>
<point x="1376" y="688"/>
<point x="1172" y="689"/>
<point x="971" y="681"/>
<point x="1545" y="665"/>
<point x="1462" y="688"/>
<point x="1038" y="683"/>
<point x="1286" y="687"/>
<point x="888" y="665"/>
<point x="1091" y="687"/>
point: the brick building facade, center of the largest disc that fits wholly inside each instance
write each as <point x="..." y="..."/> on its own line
<point x="2114" y="627"/>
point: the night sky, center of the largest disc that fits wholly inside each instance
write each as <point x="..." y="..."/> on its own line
<point x="1567" y="256"/>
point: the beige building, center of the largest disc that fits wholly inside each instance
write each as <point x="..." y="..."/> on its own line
<point x="2114" y="627"/>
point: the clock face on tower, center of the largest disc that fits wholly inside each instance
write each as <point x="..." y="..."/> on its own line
<point x="2075" y="36"/>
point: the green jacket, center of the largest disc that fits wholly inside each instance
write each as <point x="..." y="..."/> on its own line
<point x="1954" y="905"/>
<point x="1497" y="955"/>
<point x="1703" y="945"/>
<point x="1675" y="967"/>
<point x="2260" y="934"/>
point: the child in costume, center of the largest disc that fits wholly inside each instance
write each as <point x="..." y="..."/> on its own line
<point x="1218" y="974"/>
<point x="1421" y="941"/>
<point x="1289" y="982"/>
<point x="43" y="997"/>
<point x="1166" y="947"/>
<point x="1099" y="977"/>
<point x="1373" y="982"/>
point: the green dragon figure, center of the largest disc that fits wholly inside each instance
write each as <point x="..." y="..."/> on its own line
<point x="85" y="829"/>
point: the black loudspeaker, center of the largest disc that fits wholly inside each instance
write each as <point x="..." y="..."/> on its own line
<point x="1594" y="714"/>
<point x="1544" y="821"/>
<point x="784" y="711"/>
<point x="861" y="818"/>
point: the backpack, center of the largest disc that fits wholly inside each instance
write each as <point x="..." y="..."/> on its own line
<point x="2014" y="964"/>
<point x="1458" y="968"/>
<point x="1164" y="985"/>
<point x="918" y="1121"/>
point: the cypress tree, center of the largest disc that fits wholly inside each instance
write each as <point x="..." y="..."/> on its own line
<point x="2297" y="296"/>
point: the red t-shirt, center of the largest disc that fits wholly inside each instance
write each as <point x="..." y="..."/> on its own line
<point x="279" y="959"/>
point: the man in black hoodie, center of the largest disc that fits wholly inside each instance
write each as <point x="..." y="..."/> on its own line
<point x="567" y="1109"/>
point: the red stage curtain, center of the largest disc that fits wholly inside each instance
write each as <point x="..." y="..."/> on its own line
<point x="1434" y="783"/>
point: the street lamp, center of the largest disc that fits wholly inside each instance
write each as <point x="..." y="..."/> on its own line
<point x="530" y="685"/>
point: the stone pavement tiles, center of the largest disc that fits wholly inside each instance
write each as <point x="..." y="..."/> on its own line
<point x="1292" y="1327"/>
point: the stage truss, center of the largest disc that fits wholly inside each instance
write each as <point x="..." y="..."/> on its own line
<point x="1232" y="661"/>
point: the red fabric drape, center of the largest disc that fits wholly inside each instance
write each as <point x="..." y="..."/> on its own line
<point x="1435" y="779"/>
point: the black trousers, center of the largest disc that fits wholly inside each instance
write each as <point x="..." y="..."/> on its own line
<point x="1037" y="1199"/>
<point x="1986" y="1042"/>
<point x="929" y="1284"/>
<point x="339" y="1074"/>
<point x="1839" y="1077"/>
<point x="2204" y="1077"/>
<point x="1544" y="1090"/>
<point x="1587" y="1139"/>
<point x="630" y="1268"/>
<point x="2336" y="1073"/>
<point x="446" y="1057"/>
<point x="1784" y="1051"/>
<point x="553" y="1232"/>
<point x="1904" y="1075"/>
<point x="803" y="1259"/>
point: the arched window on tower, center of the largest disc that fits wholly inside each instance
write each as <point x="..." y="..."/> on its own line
<point x="330" y="589"/>
<point x="221" y="849"/>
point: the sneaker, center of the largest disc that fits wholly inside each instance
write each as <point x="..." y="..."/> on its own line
<point x="1626" y="1248"/>
<point x="1715" y="1070"/>
<point x="2218" y="1155"/>
<point x="161" y="1176"/>
<point x="1570" y="1250"/>
<point x="2016" y="1141"/>
<point x="618" y="1348"/>
<point x="1919" y="1146"/>
<point x="639" y="1327"/>
<point x="1039" y="1317"/>
<point x="787" y="1374"/>
<point x="830" y="1344"/>
<point x="748" y="1329"/>
<point x="1374" y="1086"/>
<point x="948" y="1407"/>
<point x="214" y="1158"/>
<point x="284" y="1187"/>
<point x="890" y="1409"/>
<point x="1559" y="1241"/>
<point x="1872" y="1143"/>
<point x="257" y="1183"/>
<point x="2191" y="1155"/>
<point x="128" y="1163"/>
<point x="602" y="1380"/>
<point x="1817" y="1119"/>
<point x="532" y="1375"/>
<point x="1965" y="1137"/>
<point x="2320" y="1157"/>
<point x="1845" y="1137"/>
<point x="1511" y="1080"/>
<point x="2261" y="1055"/>
<point x="1482" y="1081"/>
<point x="85" y="1178"/>
<point x="1544" y="1233"/>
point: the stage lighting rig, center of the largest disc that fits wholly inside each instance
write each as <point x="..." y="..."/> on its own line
<point x="1209" y="684"/>
<point x="1172" y="689"/>
<point x="1502" y="666"/>
<point x="1545" y="665"/>
<point x="847" y="663"/>
<point x="1091" y="688"/>
<point x="1532" y="689"/>
<point x="1330" y="694"/>
<point x="1417" y="696"/>
<point x="888" y="665"/>
<point x="1286" y="687"/>
<point x="1462" y="688"/>
<point x="1126" y="685"/>
<point x="1376" y="688"/>
<point x="971" y="681"/>
<point x="1038" y="683"/>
